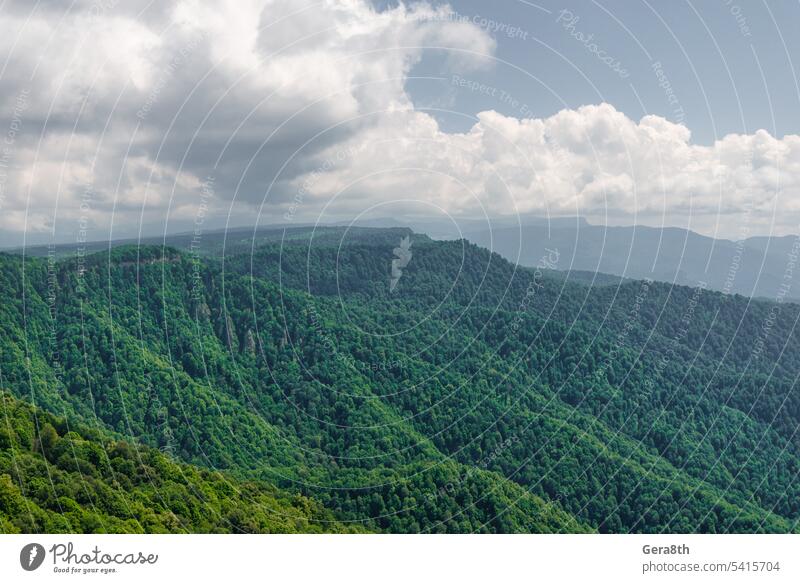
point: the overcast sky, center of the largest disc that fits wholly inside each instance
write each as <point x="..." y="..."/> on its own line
<point x="128" y="117"/>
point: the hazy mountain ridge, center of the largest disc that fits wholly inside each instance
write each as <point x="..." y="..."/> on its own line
<point x="755" y="266"/>
<point x="751" y="267"/>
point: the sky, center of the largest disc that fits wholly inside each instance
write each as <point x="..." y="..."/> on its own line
<point x="729" y="66"/>
<point x="122" y="119"/>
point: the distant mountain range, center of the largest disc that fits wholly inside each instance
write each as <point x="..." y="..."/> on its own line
<point x="760" y="267"/>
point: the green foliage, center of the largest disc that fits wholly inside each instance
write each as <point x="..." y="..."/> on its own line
<point x="476" y="397"/>
<point x="67" y="481"/>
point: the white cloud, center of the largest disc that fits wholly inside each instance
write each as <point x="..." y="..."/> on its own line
<point x="137" y="104"/>
<point x="592" y="161"/>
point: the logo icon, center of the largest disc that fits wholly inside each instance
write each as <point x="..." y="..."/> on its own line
<point x="403" y="255"/>
<point x="31" y="556"/>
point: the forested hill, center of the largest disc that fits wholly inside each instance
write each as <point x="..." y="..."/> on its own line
<point x="448" y="392"/>
<point x="54" y="478"/>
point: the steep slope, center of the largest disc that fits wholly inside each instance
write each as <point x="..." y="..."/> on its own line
<point x="138" y="362"/>
<point x="475" y="397"/>
<point x="54" y="478"/>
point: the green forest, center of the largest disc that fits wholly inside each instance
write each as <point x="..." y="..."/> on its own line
<point x="282" y="384"/>
<point x="55" y="479"/>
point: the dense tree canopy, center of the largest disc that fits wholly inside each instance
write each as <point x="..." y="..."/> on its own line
<point x="474" y="397"/>
<point x="56" y="479"/>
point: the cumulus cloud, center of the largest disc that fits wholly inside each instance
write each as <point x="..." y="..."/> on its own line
<point x="591" y="161"/>
<point x="119" y="113"/>
<point x="140" y="105"/>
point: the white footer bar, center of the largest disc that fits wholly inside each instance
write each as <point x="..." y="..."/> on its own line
<point x="390" y="558"/>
